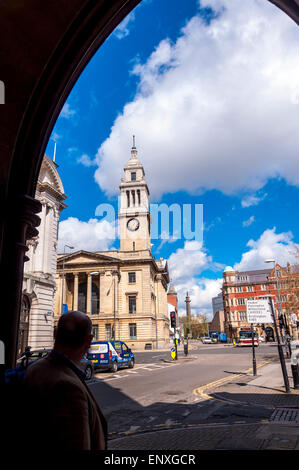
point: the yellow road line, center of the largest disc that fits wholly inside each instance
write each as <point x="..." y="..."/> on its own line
<point x="200" y="391"/>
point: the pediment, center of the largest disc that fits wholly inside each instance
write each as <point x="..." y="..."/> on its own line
<point x="85" y="257"/>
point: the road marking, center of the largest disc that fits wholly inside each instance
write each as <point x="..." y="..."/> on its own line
<point x="200" y="391"/>
<point x="147" y="367"/>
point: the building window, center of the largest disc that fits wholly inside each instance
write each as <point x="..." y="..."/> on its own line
<point x="241" y="301"/>
<point x="132" y="303"/>
<point x="133" y="330"/>
<point x="108" y="331"/>
<point x="232" y="302"/>
<point x="239" y="289"/>
<point x="82" y="297"/>
<point x="263" y="287"/>
<point x="250" y="289"/>
<point x="133" y="176"/>
<point x="133" y="197"/>
<point x="132" y="278"/>
<point x="95" y="299"/>
<point x="95" y="332"/>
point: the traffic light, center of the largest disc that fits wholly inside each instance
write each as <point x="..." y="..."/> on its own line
<point x="172" y="319"/>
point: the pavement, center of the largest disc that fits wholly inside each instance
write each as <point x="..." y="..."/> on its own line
<point x="240" y="412"/>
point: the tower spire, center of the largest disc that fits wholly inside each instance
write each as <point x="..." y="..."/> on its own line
<point x="134" y="150"/>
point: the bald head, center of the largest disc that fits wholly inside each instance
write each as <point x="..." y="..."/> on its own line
<point x="73" y="330"/>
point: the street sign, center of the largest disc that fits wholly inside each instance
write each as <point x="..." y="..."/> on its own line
<point x="173" y="352"/>
<point x="258" y="311"/>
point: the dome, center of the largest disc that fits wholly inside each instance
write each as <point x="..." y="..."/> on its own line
<point x="228" y="269"/>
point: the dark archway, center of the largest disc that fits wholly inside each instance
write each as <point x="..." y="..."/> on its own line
<point x="44" y="48"/>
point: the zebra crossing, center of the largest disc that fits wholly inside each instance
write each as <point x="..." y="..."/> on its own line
<point x="138" y="369"/>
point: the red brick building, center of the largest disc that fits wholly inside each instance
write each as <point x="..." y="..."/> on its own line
<point x="240" y="286"/>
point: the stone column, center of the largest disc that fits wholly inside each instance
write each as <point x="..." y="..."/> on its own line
<point x="76" y="291"/>
<point x="99" y="286"/>
<point x="20" y="222"/>
<point x="62" y="292"/>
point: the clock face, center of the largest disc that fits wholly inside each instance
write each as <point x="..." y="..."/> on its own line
<point x="133" y="224"/>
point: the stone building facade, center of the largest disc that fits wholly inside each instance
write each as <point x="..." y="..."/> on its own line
<point x="124" y="292"/>
<point x="39" y="280"/>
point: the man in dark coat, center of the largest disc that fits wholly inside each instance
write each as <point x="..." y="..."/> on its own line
<point x="62" y="413"/>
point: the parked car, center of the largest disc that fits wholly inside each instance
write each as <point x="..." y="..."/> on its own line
<point x="33" y="355"/>
<point x="207" y="340"/>
<point x="110" y="355"/>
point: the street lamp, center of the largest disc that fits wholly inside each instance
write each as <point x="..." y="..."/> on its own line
<point x="280" y="316"/>
<point x="62" y="290"/>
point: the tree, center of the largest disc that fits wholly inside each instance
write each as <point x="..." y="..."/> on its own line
<point x="198" y="325"/>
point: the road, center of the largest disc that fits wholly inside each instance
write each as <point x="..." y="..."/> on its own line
<point x="159" y="391"/>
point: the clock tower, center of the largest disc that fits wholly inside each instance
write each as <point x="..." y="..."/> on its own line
<point x="134" y="215"/>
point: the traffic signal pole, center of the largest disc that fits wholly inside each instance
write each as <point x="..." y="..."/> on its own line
<point x="253" y="350"/>
<point x="280" y="351"/>
<point x="173" y="325"/>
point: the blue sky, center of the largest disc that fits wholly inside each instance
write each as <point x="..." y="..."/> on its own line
<point x="212" y="95"/>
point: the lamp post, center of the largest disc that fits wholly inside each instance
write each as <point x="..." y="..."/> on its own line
<point x="62" y="290"/>
<point x="279" y="309"/>
<point x="279" y="345"/>
<point x="187" y="329"/>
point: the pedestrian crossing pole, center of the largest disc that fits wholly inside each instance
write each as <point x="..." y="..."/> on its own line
<point x="173" y="325"/>
<point x="253" y="350"/>
<point x="188" y="312"/>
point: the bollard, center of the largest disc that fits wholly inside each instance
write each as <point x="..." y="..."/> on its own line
<point x="294" y="367"/>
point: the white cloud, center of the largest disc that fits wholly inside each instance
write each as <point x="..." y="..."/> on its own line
<point x="248" y="222"/>
<point x="185" y="265"/>
<point x="67" y="112"/>
<point x="93" y="235"/>
<point x="122" y="29"/>
<point x="270" y="245"/>
<point x="201" y="292"/>
<point x="223" y="96"/>
<point x="86" y="160"/>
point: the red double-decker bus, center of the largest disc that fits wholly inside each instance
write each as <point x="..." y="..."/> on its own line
<point x="245" y="337"/>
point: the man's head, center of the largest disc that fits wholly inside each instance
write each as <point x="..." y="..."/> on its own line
<point x="73" y="335"/>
